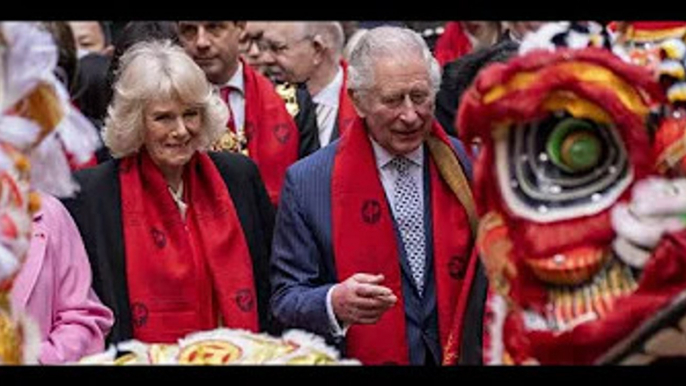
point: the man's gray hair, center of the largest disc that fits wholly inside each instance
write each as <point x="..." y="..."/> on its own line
<point x="388" y="42"/>
<point x="159" y="70"/>
<point x="330" y="31"/>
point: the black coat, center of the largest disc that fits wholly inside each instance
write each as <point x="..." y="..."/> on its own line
<point x="306" y="120"/>
<point x="459" y="74"/>
<point x="471" y="344"/>
<point x="97" y="213"/>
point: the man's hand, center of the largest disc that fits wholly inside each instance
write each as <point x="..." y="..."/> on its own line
<point x="361" y="299"/>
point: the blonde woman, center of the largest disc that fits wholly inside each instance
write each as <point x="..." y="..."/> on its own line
<point x="178" y="238"/>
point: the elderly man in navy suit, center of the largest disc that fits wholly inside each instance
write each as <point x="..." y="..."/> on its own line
<point x="374" y="236"/>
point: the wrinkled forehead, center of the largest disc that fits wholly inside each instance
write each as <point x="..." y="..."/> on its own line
<point x="394" y="72"/>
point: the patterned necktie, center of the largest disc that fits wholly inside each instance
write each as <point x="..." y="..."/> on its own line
<point x="224" y="92"/>
<point x="409" y="216"/>
<point x="324" y="117"/>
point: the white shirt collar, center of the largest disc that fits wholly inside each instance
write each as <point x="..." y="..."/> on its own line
<point x="237" y="80"/>
<point x="383" y="157"/>
<point x="329" y="94"/>
<point x="178" y="199"/>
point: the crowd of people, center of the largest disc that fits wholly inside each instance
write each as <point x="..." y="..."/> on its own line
<point x="268" y="176"/>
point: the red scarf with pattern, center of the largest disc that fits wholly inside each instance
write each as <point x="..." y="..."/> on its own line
<point x="183" y="275"/>
<point x="346" y="109"/>
<point x="364" y="241"/>
<point x="271" y="132"/>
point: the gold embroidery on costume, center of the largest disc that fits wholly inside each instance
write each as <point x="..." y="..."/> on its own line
<point x="10" y="341"/>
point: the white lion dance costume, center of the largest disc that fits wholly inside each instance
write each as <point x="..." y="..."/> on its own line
<point x="38" y="128"/>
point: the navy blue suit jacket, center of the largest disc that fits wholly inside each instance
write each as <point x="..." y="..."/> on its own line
<point x="302" y="267"/>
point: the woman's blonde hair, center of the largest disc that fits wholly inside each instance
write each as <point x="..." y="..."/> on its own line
<point x="158" y="70"/>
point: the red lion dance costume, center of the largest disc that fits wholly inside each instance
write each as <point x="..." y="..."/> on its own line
<point x="564" y="151"/>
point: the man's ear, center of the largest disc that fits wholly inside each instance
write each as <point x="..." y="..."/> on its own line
<point x="357" y="103"/>
<point x="320" y="47"/>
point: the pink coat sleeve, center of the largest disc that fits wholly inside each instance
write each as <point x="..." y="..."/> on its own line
<point x="76" y="322"/>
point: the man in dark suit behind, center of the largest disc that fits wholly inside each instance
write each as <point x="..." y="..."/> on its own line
<point x="373" y="240"/>
<point x="459" y="73"/>
<point x="308" y="54"/>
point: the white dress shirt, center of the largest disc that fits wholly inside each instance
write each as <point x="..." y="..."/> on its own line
<point x="387" y="174"/>
<point x="237" y="98"/>
<point x="329" y="96"/>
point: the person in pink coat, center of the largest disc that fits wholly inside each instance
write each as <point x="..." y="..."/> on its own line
<point x="53" y="288"/>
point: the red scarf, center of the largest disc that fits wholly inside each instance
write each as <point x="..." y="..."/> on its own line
<point x="272" y="135"/>
<point x="364" y="241"/>
<point x="452" y="44"/>
<point x="346" y="110"/>
<point x="183" y="275"/>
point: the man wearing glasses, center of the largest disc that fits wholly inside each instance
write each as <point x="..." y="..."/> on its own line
<point x="309" y="54"/>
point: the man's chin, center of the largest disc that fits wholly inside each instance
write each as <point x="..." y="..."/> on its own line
<point x="404" y="148"/>
<point x="213" y="73"/>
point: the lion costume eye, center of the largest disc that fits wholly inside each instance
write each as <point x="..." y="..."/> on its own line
<point x="561" y="166"/>
<point x="574" y="146"/>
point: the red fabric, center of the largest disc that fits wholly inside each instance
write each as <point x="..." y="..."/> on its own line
<point x="73" y="165"/>
<point x="544" y="240"/>
<point x="359" y="208"/>
<point x="663" y="278"/>
<point x="271" y="131"/>
<point x="451" y="347"/>
<point x="474" y="118"/>
<point x="656" y="25"/>
<point x="225" y="92"/>
<point x="346" y="110"/>
<point x="182" y="275"/>
<point x="452" y="44"/>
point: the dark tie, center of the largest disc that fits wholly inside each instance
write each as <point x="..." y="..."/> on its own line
<point x="409" y="216"/>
